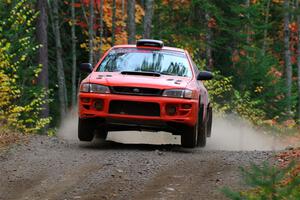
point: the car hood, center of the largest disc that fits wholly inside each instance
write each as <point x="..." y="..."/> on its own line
<point x="118" y="79"/>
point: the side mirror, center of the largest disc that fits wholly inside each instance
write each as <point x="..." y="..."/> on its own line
<point x="204" y="75"/>
<point x="86" y="67"/>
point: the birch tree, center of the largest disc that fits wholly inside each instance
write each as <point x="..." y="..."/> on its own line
<point x="62" y="93"/>
<point x="131" y="21"/>
<point x="148" y="18"/>
<point x="287" y="55"/>
<point x="42" y="38"/>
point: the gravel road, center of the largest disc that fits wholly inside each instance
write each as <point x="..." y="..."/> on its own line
<point x="52" y="168"/>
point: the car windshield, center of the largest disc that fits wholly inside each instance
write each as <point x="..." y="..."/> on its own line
<point x="141" y="60"/>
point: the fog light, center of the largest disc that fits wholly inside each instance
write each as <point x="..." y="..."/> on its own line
<point x="171" y="109"/>
<point x="186" y="106"/>
<point x="98" y="104"/>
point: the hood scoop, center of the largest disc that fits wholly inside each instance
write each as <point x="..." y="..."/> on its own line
<point x="155" y="74"/>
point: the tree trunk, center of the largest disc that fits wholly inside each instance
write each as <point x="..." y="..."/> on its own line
<point x="101" y="27"/>
<point x="123" y="8"/>
<point x="131" y="21"/>
<point x="265" y="43"/>
<point x="60" y="67"/>
<point x="91" y="33"/>
<point x="74" y="58"/>
<point x="113" y="28"/>
<point x="148" y="18"/>
<point x="123" y="12"/>
<point x="287" y="56"/>
<point x="298" y="59"/>
<point x="42" y="38"/>
<point x="247" y="25"/>
<point x="209" y="60"/>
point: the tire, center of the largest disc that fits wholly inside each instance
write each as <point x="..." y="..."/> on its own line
<point x="189" y="137"/>
<point x="86" y="128"/>
<point x="102" y="133"/>
<point x="209" y="122"/>
<point x="202" y="135"/>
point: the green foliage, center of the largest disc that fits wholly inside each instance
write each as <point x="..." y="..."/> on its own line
<point x="247" y="108"/>
<point x="267" y="182"/>
<point x="226" y="99"/>
<point x="20" y="98"/>
<point x="220" y="90"/>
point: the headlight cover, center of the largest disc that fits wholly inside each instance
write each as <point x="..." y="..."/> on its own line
<point x="94" y="88"/>
<point x="178" y="93"/>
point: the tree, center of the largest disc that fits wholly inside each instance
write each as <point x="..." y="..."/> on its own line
<point x="74" y="57"/>
<point x="287" y="56"/>
<point x="42" y="58"/>
<point x="21" y="99"/>
<point x="62" y="93"/>
<point x="248" y="4"/>
<point x="131" y="21"/>
<point x="265" y="43"/>
<point x="148" y="18"/>
<point x="298" y="58"/>
<point x="91" y="33"/>
<point x="209" y="60"/>
<point x="268" y="182"/>
<point x="113" y="28"/>
<point x="101" y="26"/>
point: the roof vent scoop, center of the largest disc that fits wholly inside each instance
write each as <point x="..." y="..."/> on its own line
<point x="149" y="43"/>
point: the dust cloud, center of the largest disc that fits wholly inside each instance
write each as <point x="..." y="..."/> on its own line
<point x="228" y="133"/>
<point x="234" y="134"/>
<point x="69" y="126"/>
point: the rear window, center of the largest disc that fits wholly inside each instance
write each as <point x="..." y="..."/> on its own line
<point x="140" y="60"/>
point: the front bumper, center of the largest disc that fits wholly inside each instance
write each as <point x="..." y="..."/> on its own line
<point x="186" y="109"/>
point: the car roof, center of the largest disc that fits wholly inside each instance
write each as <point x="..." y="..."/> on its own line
<point x="163" y="48"/>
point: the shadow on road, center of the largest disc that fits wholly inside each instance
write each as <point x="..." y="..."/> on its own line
<point x="98" y="144"/>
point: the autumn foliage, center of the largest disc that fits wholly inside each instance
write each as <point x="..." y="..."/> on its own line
<point x="120" y="31"/>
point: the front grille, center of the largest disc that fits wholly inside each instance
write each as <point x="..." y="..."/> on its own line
<point x="134" y="108"/>
<point x="140" y="91"/>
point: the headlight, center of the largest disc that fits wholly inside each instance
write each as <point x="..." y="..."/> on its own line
<point x="94" y="88"/>
<point x="178" y="93"/>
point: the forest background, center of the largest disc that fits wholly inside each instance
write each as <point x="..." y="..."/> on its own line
<point x="252" y="47"/>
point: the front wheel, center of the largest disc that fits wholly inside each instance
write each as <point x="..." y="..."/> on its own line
<point x="190" y="136"/>
<point x="202" y="135"/>
<point x="101" y="133"/>
<point x="209" y="122"/>
<point x="86" y="128"/>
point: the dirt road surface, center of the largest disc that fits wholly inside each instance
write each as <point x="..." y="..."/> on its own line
<point x="46" y="168"/>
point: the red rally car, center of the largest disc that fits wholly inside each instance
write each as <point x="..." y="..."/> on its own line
<point x="145" y="87"/>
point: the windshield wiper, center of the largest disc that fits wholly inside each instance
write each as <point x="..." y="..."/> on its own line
<point x="140" y="73"/>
